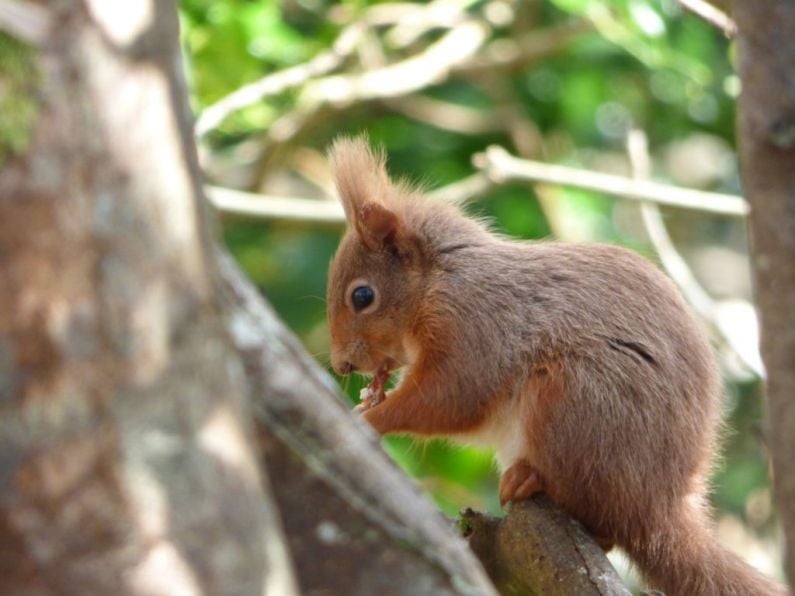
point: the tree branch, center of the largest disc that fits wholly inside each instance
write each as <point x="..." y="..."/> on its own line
<point x="502" y="167"/>
<point x="445" y="115"/>
<point x="237" y="202"/>
<point x="712" y="15"/>
<point x="324" y="211"/>
<point x="278" y="82"/>
<point x="417" y="72"/>
<point x="497" y="167"/>
<point x="538" y="549"/>
<point x="360" y="527"/>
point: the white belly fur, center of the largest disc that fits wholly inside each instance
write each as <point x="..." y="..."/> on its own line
<point x="505" y="431"/>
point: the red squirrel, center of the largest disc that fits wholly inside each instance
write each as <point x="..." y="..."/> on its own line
<point x="581" y="365"/>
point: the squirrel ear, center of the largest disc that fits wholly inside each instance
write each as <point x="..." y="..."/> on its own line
<point x="377" y="225"/>
<point x="368" y="195"/>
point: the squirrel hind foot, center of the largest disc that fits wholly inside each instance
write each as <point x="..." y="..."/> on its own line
<point x="519" y="482"/>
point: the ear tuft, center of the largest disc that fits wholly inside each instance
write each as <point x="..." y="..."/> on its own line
<point x="359" y="174"/>
<point x="374" y="207"/>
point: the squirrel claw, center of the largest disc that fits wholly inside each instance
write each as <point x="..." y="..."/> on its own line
<point x="519" y="482"/>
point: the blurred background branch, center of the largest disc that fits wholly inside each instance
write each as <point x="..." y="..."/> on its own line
<point x="711" y="13"/>
<point x="503" y="167"/>
<point x="285" y="208"/>
<point x="676" y="266"/>
<point x="499" y="167"/>
<point x="281" y="81"/>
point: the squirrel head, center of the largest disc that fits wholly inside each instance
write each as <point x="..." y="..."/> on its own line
<point x="378" y="277"/>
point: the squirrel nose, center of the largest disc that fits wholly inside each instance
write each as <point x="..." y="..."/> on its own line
<point x="343" y="368"/>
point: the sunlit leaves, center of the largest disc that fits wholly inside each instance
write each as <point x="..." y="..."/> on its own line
<point x="639" y="27"/>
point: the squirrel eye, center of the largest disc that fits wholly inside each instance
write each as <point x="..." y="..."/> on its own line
<point x="362" y="297"/>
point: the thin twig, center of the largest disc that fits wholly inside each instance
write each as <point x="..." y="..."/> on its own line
<point x="497" y="163"/>
<point x="527" y="48"/>
<point x="657" y="233"/>
<point x="324" y="211"/>
<point x="237" y="202"/>
<point x="711" y="14"/>
<point x="417" y="72"/>
<point x="445" y="115"/>
<point x="673" y="262"/>
<point x="497" y="167"/>
<point x="280" y="81"/>
<point x="464" y="190"/>
<point x="436" y="14"/>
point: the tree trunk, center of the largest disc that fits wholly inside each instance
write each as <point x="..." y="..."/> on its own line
<point x="126" y="447"/>
<point x="767" y="148"/>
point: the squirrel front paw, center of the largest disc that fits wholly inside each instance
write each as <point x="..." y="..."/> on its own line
<point x="519" y="482"/>
<point x="370" y="396"/>
<point x="374" y="393"/>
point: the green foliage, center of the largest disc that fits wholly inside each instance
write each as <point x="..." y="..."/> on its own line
<point x="18" y="106"/>
<point x="640" y="29"/>
<point x="646" y="64"/>
<point x="231" y="42"/>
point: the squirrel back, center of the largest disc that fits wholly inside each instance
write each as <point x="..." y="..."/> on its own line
<point x="581" y="364"/>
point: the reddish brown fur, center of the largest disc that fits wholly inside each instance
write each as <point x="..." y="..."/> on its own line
<point x="580" y="361"/>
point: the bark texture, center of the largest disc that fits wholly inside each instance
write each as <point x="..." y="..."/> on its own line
<point x="767" y="148"/>
<point x="538" y="549"/>
<point x="125" y="446"/>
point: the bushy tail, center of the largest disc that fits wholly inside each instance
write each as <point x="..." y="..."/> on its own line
<point x="683" y="558"/>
